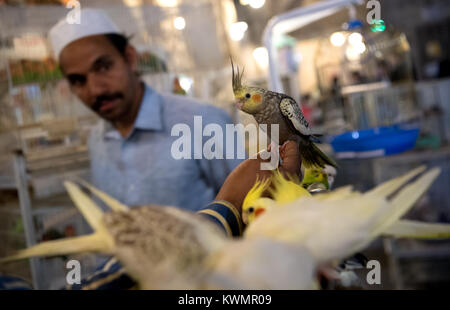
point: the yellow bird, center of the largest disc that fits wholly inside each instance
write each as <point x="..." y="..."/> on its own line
<point x="288" y="190"/>
<point x="254" y="203"/>
<point x="283" y="190"/>
<point x="315" y="175"/>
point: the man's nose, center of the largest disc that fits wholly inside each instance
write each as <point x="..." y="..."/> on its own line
<point x="95" y="86"/>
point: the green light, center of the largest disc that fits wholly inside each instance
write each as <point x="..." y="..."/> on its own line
<point x="378" y="26"/>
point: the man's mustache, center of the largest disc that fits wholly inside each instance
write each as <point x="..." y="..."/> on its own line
<point x="105" y="97"/>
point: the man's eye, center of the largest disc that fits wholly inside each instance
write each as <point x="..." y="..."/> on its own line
<point x="105" y="66"/>
<point x="247" y="96"/>
<point x="76" y="82"/>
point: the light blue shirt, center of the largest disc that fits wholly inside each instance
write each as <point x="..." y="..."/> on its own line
<point x="140" y="170"/>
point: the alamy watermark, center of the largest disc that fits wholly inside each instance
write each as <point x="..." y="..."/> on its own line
<point x="374" y="15"/>
<point x="74" y="274"/>
<point x="220" y="144"/>
<point x="374" y="275"/>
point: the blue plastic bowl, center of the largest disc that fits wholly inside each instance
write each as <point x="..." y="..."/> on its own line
<point x="391" y="140"/>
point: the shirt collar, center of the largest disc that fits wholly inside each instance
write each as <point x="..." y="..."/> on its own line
<point x="150" y="112"/>
<point x="149" y="116"/>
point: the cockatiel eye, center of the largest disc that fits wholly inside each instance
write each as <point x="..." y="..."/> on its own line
<point x="247" y="95"/>
<point x="251" y="209"/>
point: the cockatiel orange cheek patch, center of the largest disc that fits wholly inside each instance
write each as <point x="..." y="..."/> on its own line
<point x="256" y="97"/>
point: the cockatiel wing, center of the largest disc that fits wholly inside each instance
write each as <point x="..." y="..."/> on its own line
<point x="327" y="229"/>
<point x="311" y="155"/>
<point x="290" y="109"/>
<point x="418" y="230"/>
<point x="164" y="247"/>
<point x="111" y="202"/>
<point x="159" y="246"/>
<point x="387" y="188"/>
<point x="340" y="193"/>
<point x="334" y="229"/>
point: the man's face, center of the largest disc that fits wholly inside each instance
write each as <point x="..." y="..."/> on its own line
<point x="100" y="76"/>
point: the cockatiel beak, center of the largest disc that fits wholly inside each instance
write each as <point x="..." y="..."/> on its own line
<point x="245" y="218"/>
<point x="239" y="102"/>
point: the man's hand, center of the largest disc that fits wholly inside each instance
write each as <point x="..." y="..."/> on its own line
<point x="241" y="179"/>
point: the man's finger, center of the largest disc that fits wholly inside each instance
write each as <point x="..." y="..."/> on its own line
<point x="290" y="155"/>
<point x="290" y="152"/>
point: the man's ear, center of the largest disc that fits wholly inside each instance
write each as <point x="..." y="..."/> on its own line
<point x="131" y="57"/>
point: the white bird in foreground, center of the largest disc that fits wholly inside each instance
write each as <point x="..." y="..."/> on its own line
<point x="164" y="247"/>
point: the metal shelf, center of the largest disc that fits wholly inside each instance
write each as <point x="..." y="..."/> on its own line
<point x="48" y="212"/>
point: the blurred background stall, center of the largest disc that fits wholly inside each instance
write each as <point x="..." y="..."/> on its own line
<point x="378" y="92"/>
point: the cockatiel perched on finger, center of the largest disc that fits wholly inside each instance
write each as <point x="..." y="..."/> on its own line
<point x="269" y="108"/>
<point x="163" y="247"/>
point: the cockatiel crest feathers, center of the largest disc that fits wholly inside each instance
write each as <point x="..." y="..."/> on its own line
<point x="286" y="189"/>
<point x="254" y="202"/>
<point x="236" y="77"/>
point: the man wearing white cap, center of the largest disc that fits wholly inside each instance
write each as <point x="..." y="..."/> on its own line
<point x="130" y="149"/>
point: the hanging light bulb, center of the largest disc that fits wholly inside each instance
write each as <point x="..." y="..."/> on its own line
<point x="360" y="47"/>
<point x="186" y="83"/>
<point x="355" y="38"/>
<point x="179" y="23"/>
<point x="261" y="56"/>
<point x="237" y="30"/>
<point x="337" y="39"/>
<point x="132" y="3"/>
<point x="353" y="52"/>
<point x="256" y="4"/>
<point x="167" y="3"/>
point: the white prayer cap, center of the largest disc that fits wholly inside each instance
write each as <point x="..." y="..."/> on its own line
<point x="92" y="22"/>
